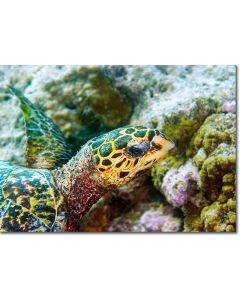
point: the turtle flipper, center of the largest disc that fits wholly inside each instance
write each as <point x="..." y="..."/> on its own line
<point x="29" y="200"/>
<point x="46" y="145"/>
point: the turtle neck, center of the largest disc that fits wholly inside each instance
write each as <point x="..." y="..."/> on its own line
<point x="80" y="185"/>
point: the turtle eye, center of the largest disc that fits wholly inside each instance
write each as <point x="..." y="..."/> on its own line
<point x="138" y="150"/>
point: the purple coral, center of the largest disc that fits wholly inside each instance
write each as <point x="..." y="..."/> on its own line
<point x="177" y="184"/>
<point x="152" y="220"/>
<point x="155" y="221"/>
<point x="171" y="224"/>
<point x="229" y="106"/>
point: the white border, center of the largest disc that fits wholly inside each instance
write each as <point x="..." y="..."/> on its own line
<point x="80" y="266"/>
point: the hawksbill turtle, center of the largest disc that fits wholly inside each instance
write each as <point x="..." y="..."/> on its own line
<point x="57" y="189"/>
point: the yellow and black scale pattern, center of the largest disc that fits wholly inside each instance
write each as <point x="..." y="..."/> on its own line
<point x="29" y="200"/>
<point x="109" y="150"/>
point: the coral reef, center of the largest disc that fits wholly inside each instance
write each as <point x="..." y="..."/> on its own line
<point x="12" y="139"/>
<point x="83" y="101"/>
<point x="180" y="111"/>
<point x="116" y="203"/>
<point x="135" y="207"/>
<point x="182" y="185"/>
<point x="215" y="158"/>
<point x="219" y="217"/>
<point x="155" y="221"/>
<point x="204" y="186"/>
<point x="151" y="217"/>
<point x="192" y="93"/>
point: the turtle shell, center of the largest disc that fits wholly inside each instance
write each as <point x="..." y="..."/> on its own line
<point x="29" y="200"/>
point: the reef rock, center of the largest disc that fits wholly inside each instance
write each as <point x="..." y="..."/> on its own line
<point x="83" y="100"/>
<point x="182" y="185"/>
<point x="215" y="158"/>
<point x="151" y="217"/>
<point x="191" y="94"/>
<point x="135" y="207"/>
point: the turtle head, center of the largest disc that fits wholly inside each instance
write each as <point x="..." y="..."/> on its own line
<point x="124" y="153"/>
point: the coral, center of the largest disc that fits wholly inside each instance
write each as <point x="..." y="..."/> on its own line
<point x="192" y="221"/>
<point x="156" y="221"/>
<point x="91" y="97"/>
<point x="218" y="128"/>
<point x="181" y="121"/>
<point x="160" y="169"/>
<point x="229" y="106"/>
<point x="181" y="185"/>
<point x="171" y="224"/>
<point x="194" y="105"/>
<point x="215" y="158"/>
<point x="217" y="139"/>
<point x="135" y="207"/>
<point x="192" y="93"/>
<point x="83" y="101"/>
<point x="148" y="217"/>
<point x="153" y="220"/>
<point x="205" y="181"/>
<point x="220" y="162"/>
<point x="175" y="84"/>
<point x="116" y="203"/>
<point x="12" y="135"/>
<point x="219" y="217"/>
<point x="178" y="181"/>
<point x="12" y="140"/>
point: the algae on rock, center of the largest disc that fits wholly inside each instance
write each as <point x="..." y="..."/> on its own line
<point x="83" y="100"/>
<point x="217" y="140"/>
<point x="203" y="197"/>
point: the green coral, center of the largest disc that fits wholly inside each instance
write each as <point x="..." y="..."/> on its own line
<point x="219" y="217"/>
<point x="192" y="221"/>
<point x="216" y="143"/>
<point x="160" y="169"/>
<point x="217" y="129"/>
<point x="88" y="94"/>
<point x="220" y="162"/>
<point x="182" y="125"/>
<point x="215" y="158"/>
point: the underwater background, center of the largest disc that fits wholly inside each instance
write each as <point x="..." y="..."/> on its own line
<point x="193" y="190"/>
